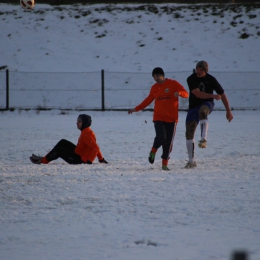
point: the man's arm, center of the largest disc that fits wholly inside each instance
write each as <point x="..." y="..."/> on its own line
<point x="203" y="95"/>
<point x="223" y="97"/>
<point x="182" y="92"/>
<point x="225" y="102"/>
<point x="146" y="102"/>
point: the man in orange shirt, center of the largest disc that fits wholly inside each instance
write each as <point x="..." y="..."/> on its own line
<point x="85" y="151"/>
<point x="165" y="94"/>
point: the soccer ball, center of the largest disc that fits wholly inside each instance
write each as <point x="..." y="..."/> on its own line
<point x="27" y="4"/>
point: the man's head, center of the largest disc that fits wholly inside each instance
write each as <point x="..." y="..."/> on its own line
<point x="83" y="121"/>
<point x="158" y="75"/>
<point x="158" y="71"/>
<point x="202" y="68"/>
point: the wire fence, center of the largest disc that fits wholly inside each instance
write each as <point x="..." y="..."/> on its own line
<point x="111" y="90"/>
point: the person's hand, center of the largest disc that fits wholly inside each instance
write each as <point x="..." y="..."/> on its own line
<point x="217" y="97"/>
<point x="229" y="115"/>
<point x="130" y="111"/>
<point x="103" y="161"/>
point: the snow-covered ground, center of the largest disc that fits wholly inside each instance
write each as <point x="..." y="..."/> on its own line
<point x="129" y="209"/>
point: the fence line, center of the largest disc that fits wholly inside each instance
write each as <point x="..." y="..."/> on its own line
<point x="110" y="90"/>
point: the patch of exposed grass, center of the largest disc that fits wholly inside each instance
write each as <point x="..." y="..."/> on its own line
<point x="244" y="36"/>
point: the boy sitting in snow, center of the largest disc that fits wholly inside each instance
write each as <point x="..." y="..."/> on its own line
<point x="85" y="151"/>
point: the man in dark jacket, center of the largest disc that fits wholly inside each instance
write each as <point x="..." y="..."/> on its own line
<point x="201" y="86"/>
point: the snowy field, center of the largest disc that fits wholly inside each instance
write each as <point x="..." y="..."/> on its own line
<point x="129" y="209"/>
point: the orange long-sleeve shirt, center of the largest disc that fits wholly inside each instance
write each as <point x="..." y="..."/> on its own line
<point x="87" y="146"/>
<point x="166" y="105"/>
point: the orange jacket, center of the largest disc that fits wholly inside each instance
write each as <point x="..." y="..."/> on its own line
<point x="87" y="147"/>
<point x="166" y="104"/>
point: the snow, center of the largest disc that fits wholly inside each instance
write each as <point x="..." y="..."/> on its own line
<point x="128" y="209"/>
<point x="130" y="38"/>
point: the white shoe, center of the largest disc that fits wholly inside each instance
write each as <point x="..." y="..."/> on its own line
<point x="190" y="165"/>
<point x="202" y="143"/>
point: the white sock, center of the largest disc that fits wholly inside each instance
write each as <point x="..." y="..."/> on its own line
<point x="190" y="148"/>
<point x="204" y="125"/>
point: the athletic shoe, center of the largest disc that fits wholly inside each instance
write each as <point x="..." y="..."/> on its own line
<point x="165" y="168"/>
<point x="202" y="143"/>
<point x="190" y="165"/>
<point x="151" y="157"/>
<point x="36" y="159"/>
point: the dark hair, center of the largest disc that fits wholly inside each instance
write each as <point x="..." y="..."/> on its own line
<point x="158" y="71"/>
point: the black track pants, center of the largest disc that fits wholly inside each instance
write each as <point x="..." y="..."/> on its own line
<point x="165" y="133"/>
<point x="64" y="149"/>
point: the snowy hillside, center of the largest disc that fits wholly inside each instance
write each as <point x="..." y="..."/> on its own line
<point x="130" y="38"/>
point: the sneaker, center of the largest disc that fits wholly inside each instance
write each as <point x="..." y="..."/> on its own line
<point x="202" y="143"/>
<point x="165" y="168"/>
<point x="36" y="159"/>
<point x="151" y="157"/>
<point x="190" y="165"/>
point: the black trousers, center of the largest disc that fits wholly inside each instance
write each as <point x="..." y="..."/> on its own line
<point x="64" y="149"/>
<point x="165" y="133"/>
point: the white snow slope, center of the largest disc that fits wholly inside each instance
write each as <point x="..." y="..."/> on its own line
<point x="130" y="38"/>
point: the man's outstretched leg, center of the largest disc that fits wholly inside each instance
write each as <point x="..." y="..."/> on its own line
<point x="63" y="149"/>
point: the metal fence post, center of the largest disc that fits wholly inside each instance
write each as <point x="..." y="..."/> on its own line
<point x="7" y="89"/>
<point x="103" y="90"/>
